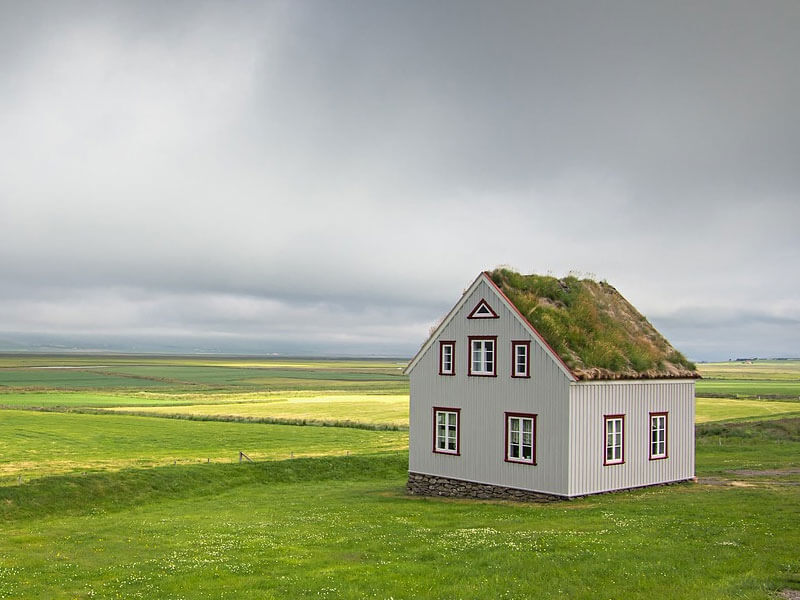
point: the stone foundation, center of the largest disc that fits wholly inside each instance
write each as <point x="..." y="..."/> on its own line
<point x="431" y="485"/>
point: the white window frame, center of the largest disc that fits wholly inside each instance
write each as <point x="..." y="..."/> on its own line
<point x="519" y="441"/>
<point x="451" y="346"/>
<point x="516" y="346"/>
<point x="614" y="439"/>
<point x="658" y="435"/>
<point x="452" y="425"/>
<point x="482" y="347"/>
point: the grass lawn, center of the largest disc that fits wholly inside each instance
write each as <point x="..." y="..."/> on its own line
<point x="118" y="506"/>
<point x="342" y="527"/>
<point x="34" y="444"/>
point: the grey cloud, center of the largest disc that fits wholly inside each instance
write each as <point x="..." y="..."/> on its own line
<point x="183" y="167"/>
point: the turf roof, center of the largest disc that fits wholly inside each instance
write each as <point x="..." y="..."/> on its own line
<point x="595" y="331"/>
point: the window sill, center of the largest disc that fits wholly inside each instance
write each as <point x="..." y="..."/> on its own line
<point x="520" y="461"/>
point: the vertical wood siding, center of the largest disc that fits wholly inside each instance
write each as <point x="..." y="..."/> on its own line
<point x="483" y="402"/>
<point x="590" y="401"/>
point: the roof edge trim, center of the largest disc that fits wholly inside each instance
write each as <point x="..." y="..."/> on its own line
<point x="449" y="317"/>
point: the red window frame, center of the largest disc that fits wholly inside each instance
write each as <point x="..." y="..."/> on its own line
<point x="452" y="345"/>
<point x="436" y="450"/>
<point x="520" y="461"/>
<point x="664" y="414"/>
<point x="527" y="345"/>
<point x="606" y="462"/>
<point x="493" y="339"/>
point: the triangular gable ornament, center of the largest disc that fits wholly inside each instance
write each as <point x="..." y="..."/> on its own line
<point x="482" y="311"/>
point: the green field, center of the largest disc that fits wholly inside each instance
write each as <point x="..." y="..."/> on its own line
<point x="111" y="505"/>
<point x="725" y="409"/>
<point x="343" y="528"/>
<point x="369" y="392"/>
<point x="384" y="409"/>
<point x="778" y="379"/>
<point x="33" y="444"/>
<point x="189" y="374"/>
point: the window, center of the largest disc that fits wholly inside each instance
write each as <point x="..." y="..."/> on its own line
<point x="447" y="352"/>
<point x="482" y="360"/>
<point x="445" y="430"/>
<point x="520" y="353"/>
<point x="482" y="310"/>
<point x="658" y="435"/>
<point x="614" y="434"/>
<point x="521" y="438"/>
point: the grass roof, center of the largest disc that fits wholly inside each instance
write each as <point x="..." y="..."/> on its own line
<point x="595" y="331"/>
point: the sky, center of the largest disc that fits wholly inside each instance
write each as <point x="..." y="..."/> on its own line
<point x="327" y="177"/>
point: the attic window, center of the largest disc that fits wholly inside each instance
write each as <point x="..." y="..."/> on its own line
<point x="482" y="311"/>
<point x="520" y="355"/>
<point x="447" y="351"/>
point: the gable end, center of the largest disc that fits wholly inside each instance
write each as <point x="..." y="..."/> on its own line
<point x="500" y="297"/>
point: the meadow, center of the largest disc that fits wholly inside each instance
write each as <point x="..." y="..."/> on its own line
<point x="774" y="379"/>
<point x="95" y="503"/>
<point x="368" y="393"/>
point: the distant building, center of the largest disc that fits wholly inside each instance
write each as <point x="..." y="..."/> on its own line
<point x="535" y="386"/>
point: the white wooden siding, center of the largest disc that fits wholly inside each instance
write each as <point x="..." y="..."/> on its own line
<point x="590" y="401"/>
<point x="483" y="402"/>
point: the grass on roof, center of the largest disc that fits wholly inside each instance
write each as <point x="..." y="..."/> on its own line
<point x="597" y="333"/>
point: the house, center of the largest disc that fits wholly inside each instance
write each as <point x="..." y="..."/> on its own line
<point x="536" y="387"/>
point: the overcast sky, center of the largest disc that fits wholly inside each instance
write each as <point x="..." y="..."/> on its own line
<point x="327" y="177"/>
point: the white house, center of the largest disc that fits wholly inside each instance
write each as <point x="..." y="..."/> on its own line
<point x="538" y="387"/>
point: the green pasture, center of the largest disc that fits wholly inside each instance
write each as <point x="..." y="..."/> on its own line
<point x="119" y="506"/>
<point x="765" y="378"/>
<point x="377" y="409"/>
<point x="765" y="370"/>
<point x="73" y="399"/>
<point x="35" y="444"/>
<point x="749" y="388"/>
<point x="12" y="360"/>
<point x="342" y="527"/>
<point x="725" y="409"/>
<point x="392" y="410"/>
<point x="186" y="374"/>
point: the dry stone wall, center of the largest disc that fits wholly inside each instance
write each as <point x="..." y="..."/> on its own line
<point x="430" y="485"/>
